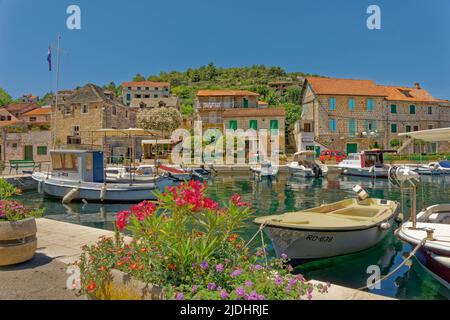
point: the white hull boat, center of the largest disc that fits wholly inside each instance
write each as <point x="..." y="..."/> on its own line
<point x="335" y="229"/>
<point x="434" y="168"/>
<point x="78" y="175"/>
<point x="369" y="163"/>
<point x="305" y="165"/>
<point x="265" y="169"/>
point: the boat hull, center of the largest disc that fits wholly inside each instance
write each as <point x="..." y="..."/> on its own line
<point x="115" y="192"/>
<point x="297" y="172"/>
<point x="439" y="271"/>
<point x="365" y="172"/>
<point x="300" y="245"/>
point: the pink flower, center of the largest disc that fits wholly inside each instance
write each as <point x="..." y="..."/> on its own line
<point x="224" y="295"/>
<point x="236" y="199"/>
<point x="122" y="219"/>
<point x="143" y="209"/>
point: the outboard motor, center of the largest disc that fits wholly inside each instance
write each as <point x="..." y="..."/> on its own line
<point x="317" y="170"/>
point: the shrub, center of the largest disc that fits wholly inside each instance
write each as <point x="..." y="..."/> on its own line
<point x="13" y="210"/>
<point x="190" y="246"/>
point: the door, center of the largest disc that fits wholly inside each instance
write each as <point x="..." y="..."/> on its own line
<point x="352" y="148"/>
<point x="245" y="103"/>
<point x="307" y="127"/>
<point x="28" y="153"/>
<point x="317" y="151"/>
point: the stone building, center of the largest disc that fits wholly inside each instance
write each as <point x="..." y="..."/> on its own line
<point x="19" y="108"/>
<point x="40" y="116"/>
<point x="144" y="90"/>
<point x="25" y="144"/>
<point x="163" y="102"/>
<point x="352" y="115"/>
<point x="80" y="114"/>
<point x="237" y="109"/>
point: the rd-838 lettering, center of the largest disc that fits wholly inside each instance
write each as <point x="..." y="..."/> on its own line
<point x="312" y="237"/>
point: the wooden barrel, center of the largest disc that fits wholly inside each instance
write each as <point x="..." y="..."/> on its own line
<point x="17" y="241"/>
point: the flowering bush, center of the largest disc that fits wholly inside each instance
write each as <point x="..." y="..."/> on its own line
<point x="11" y="210"/>
<point x="190" y="246"/>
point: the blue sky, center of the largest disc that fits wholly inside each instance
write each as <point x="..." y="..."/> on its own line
<point x="121" y="38"/>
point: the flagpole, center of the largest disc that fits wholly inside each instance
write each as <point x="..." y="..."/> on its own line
<point x="56" y="97"/>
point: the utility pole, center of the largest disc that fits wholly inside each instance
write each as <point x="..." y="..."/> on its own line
<point x="56" y="97"/>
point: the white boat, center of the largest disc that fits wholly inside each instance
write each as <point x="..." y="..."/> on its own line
<point x="305" y="165"/>
<point x="368" y="163"/>
<point x="265" y="169"/>
<point x="429" y="230"/>
<point x="434" y="168"/>
<point x="144" y="173"/>
<point x="335" y="229"/>
<point x="79" y="175"/>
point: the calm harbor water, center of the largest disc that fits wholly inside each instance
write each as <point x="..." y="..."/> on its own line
<point x="285" y="194"/>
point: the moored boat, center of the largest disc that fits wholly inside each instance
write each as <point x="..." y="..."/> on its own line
<point x="79" y="175"/>
<point x="368" y="163"/>
<point x="265" y="169"/>
<point x="434" y="168"/>
<point x="305" y="165"/>
<point x="335" y="229"/>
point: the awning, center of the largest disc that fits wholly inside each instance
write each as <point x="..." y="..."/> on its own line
<point x="433" y="135"/>
<point x="125" y="132"/>
<point x="159" y="141"/>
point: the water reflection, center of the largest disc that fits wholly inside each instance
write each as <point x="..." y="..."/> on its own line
<point x="284" y="194"/>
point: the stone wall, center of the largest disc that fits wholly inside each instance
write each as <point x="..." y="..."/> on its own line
<point x="14" y="144"/>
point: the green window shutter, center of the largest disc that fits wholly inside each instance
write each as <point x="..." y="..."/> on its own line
<point x="351" y="104"/>
<point x="352" y="127"/>
<point x="332" y="103"/>
<point x="412" y="109"/>
<point x="393" y="108"/>
<point x="42" y="150"/>
<point x="374" y="125"/>
<point x="393" y="127"/>
<point x="253" y="124"/>
<point x="233" y="124"/>
<point x="273" y="124"/>
<point x="332" y="125"/>
<point x="369" y="104"/>
<point x="408" y="128"/>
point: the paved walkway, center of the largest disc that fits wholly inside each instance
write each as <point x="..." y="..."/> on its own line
<point x="59" y="244"/>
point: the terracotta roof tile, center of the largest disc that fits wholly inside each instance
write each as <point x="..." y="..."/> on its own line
<point x="38" y="112"/>
<point x="398" y="93"/>
<point x="223" y="93"/>
<point x="254" y="112"/>
<point x="146" y="84"/>
<point x="347" y="87"/>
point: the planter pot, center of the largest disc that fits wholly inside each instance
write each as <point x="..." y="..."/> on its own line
<point x="122" y="286"/>
<point x="17" y="241"/>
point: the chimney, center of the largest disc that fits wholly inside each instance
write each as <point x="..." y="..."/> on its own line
<point x="417" y="85"/>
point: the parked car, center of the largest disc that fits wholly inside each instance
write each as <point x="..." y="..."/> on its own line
<point x="332" y="155"/>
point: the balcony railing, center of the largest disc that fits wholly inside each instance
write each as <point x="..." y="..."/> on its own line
<point x="216" y="105"/>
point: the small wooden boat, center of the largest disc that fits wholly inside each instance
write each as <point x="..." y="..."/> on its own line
<point x="305" y="165"/>
<point x="434" y="168"/>
<point x="334" y="229"/>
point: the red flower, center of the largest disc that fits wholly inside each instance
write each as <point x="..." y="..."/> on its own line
<point x="134" y="266"/>
<point x="199" y="234"/>
<point x="210" y="204"/>
<point x="122" y="218"/>
<point x="236" y="199"/>
<point x="91" y="287"/>
<point x="120" y="263"/>
<point x="102" y="268"/>
<point x="172" y="266"/>
<point x="233" y="238"/>
<point x="143" y="209"/>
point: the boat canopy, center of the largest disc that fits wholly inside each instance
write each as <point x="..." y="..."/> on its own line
<point x="432" y="135"/>
<point x="78" y="165"/>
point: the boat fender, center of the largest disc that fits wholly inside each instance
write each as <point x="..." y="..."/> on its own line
<point x="72" y="194"/>
<point x="385" y="226"/>
<point x="399" y="218"/>
<point x="362" y="194"/>
<point x="103" y="192"/>
<point x="41" y="186"/>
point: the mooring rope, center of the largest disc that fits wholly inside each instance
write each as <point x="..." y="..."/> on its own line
<point x="260" y="231"/>
<point x="412" y="254"/>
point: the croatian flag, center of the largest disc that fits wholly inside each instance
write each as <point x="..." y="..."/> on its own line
<point x="49" y="58"/>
